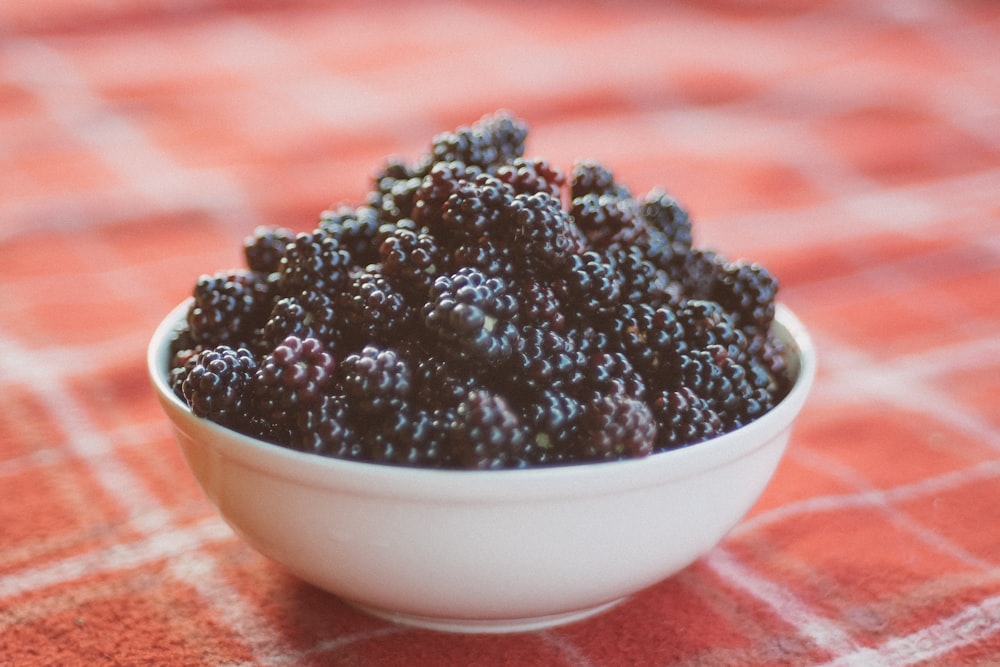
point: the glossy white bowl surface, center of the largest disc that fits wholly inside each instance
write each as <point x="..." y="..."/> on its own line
<point x="484" y="551"/>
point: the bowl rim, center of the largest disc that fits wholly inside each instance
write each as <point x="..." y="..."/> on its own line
<point x="487" y="486"/>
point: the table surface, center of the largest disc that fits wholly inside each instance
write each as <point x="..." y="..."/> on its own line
<point x="851" y="147"/>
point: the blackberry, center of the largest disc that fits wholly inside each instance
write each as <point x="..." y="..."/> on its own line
<point x="540" y="306"/>
<point x="228" y="307"/>
<point x="258" y="425"/>
<point x="292" y="377"/>
<point x="465" y="316"/>
<point x="376" y="381"/>
<point x="219" y="384"/>
<point x="707" y="323"/>
<point x="264" y="249"/>
<point x="610" y="373"/>
<point x="771" y="354"/>
<point x="393" y="198"/>
<point x="487" y="433"/>
<point x="354" y="229"/>
<point x="711" y="374"/>
<point x="589" y="337"/>
<point x="314" y="262"/>
<point x="532" y="177"/>
<point x="543" y="233"/>
<point x="372" y="310"/>
<point x="683" y="418"/>
<point x="473" y="211"/>
<point x="486" y="256"/>
<point x="695" y="270"/>
<point x="665" y="214"/>
<point x="474" y="312"/>
<point x="435" y="189"/>
<point x="492" y="141"/>
<point x="605" y="219"/>
<point x="395" y="168"/>
<point x="652" y="339"/>
<point x="541" y="358"/>
<point x="748" y="291"/>
<point x="642" y="281"/>
<point x="305" y="315"/>
<point x="324" y="428"/>
<point x="443" y="380"/>
<point x="759" y="392"/>
<point x="412" y="261"/>
<point x="616" y="427"/>
<point x="413" y="437"/>
<point x="553" y="418"/>
<point x="590" y="177"/>
<point x="591" y="285"/>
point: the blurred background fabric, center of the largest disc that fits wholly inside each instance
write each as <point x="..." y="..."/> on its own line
<point x="852" y="147"/>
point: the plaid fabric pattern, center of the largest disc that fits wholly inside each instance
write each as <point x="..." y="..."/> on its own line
<point x="852" y="147"/>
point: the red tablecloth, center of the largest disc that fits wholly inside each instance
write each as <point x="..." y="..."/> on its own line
<point x="852" y="147"/>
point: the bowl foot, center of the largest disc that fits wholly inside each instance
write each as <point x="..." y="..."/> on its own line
<point x="490" y="625"/>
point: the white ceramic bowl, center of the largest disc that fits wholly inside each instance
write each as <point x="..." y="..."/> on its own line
<point x="484" y="551"/>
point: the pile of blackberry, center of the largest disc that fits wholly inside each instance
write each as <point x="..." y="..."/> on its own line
<point x="484" y="310"/>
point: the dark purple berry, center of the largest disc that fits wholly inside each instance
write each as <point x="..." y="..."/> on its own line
<point x="294" y="376"/>
<point x="683" y="418"/>
<point x="324" y="428"/>
<point x="354" y="229"/>
<point x="490" y="142"/>
<point x="487" y="433"/>
<point x="590" y="177"/>
<point x="591" y="285"/>
<point x="265" y="248"/>
<point x="305" y="315"/>
<point x="616" y="427"/>
<point x="372" y="310"/>
<point x="218" y="384"/>
<point x="412" y="261"/>
<point x="314" y="262"/>
<point x="474" y="312"/>
<point x="665" y="214"/>
<point x="543" y="233"/>
<point x="228" y="307"/>
<point x="532" y="176"/>
<point x="376" y="381"/>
